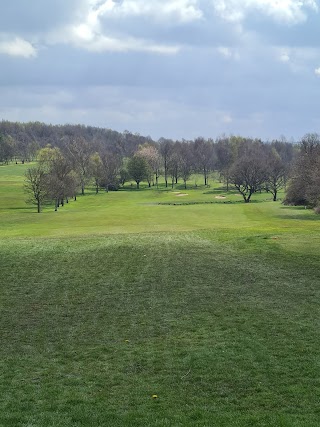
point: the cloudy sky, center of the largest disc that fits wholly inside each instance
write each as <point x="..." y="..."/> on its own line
<point x="172" y="68"/>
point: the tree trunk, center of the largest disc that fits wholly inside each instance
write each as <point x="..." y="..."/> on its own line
<point x="138" y="185"/>
<point x="38" y="205"/>
<point x="247" y="198"/>
<point x="165" y="173"/>
<point x="275" y="196"/>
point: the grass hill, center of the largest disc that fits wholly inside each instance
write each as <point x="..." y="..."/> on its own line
<point x="158" y="308"/>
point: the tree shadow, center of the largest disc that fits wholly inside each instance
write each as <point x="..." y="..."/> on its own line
<point x="297" y="208"/>
<point x="313" y="217"/>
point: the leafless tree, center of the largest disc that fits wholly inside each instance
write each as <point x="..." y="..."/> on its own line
<point x="166" y="147"/>
<point x="276" y="174"/>
<point x="249" y="173"/>
<point x="80" y="150"/>
<point x="304" y="184"/>
<point x="36" y="186"/>
<point x="204" y="156"/>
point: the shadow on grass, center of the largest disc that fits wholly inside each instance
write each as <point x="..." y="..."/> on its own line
<point x="209" y="202"/>
<point x="309" y="214"/>
<point x="312" y="217"/>
<point x="15" y="208"/>
<point x="296" y="208"/>
<point x="219" y="191"/>
<point x="162" y="188"/>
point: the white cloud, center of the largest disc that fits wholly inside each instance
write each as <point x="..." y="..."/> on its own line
<point x="91" y="38"/>
<point x="178" y="10"/>
<point x="83" y="32"/>
<point x="299" y="60"/>
<point x="90" y="35"/>
<point x="287" y="11"/>
<point x="135" y="25"/>
<point x="225" y="51"/>
<point x="17" y="47"/>
<point x="284" y="57"/>
<point x="317" y="71"/>
<point x="298" y="55"/>
<point x="228" y="52"/>
<point x="226" y="118"/>
<point x="102" y="43"/>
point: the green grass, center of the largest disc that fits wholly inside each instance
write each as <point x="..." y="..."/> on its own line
<point x="213" y="307"/>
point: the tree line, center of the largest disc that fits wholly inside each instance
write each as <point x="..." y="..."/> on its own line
<point x="71" y="156"/>
<point x="24" y="140"/>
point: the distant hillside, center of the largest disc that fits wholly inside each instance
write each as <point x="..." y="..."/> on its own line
<point x="27" y="138"/>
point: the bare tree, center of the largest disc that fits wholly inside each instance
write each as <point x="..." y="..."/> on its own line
<point x="224" y="158"/>
<point x="6" y="148"/>
<point x="62" y="180"/>
<point x="166" y="146"/>
<point x="304" y="188"/>
<point x="249" y="173"/>
<point x="186" y="162"/>
<point x="96" y="170"/>
<point x="36" y="186"/>
<point x="174" y="163"/>
<point x="276" y="174"/>
<point x="203" y="151"/>
<point x="111" y="164"/>
<point x="80" y="150"/>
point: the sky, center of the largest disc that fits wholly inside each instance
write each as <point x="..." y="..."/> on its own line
<point x="164" y="68"/>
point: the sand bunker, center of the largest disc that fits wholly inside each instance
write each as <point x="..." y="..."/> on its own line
<point x="181" y="194"/>
<point x="220" y="197"/>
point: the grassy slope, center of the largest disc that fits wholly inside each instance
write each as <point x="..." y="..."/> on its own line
<point x="214" y="308"/>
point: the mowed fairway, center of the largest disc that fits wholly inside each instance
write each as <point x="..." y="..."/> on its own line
<point x="213" y="307"/>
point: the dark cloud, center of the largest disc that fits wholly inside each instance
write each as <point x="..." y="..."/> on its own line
<point x="303" y="34"/>
<point x="255" y="78"/>
<point x="63" y="65"/>
<point x="209" y="31"/>
<point x="32" y="16"/>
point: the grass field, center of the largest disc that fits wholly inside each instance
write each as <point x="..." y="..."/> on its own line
<point x="211" y="306"/>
